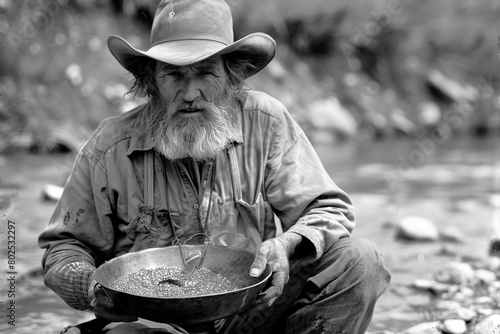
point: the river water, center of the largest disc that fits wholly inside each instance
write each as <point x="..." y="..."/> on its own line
<point x="455" y="183"/>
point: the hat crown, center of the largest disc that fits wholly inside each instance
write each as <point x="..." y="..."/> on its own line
<point x="177" y="20"/>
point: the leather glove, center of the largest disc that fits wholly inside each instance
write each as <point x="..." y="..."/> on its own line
<point x="104" y="308"/>
<point x="276" y="252"/>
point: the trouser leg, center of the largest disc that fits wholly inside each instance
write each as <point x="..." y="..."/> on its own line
<point x="335" y="294"/>
<point x="341" y="297"/>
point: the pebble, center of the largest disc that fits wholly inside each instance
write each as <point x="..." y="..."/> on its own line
<point x="491" y="263"/>
<point x="455" y="273"/>
<point x="431" y="286"/>
<point x="483" y="300"/>
<point x="494" y="246"/>
<point x="467" y="291"/>
<point x="445" y="305"/>
<point x="454" y="326"/>
<point x="52" y="192"/>
<point x="462" y="313"/>
<point x="415" y="228"/>
<point x="484" y="311"/>
<point x="172" y="282"/>
<point x="469" y="300"/>
<point x="485" y="277"/>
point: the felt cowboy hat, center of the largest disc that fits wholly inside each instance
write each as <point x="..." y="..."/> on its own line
<point x="188" y="31"/>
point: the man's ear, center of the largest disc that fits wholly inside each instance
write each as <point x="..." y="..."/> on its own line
<point x="235" y="70"/>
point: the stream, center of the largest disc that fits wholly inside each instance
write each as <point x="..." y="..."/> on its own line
<point x="453" y="183"/>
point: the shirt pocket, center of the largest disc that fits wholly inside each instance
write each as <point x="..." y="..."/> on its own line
<point x="253" y="214"/>
<point x="149" y="229"/>
<point x="261" y="215"/>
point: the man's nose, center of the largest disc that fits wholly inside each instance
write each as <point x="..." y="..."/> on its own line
<point x="191" y="91"/>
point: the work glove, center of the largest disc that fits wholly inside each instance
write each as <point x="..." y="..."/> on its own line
<point x="104" y="308"/>
<point x="276" y="253"/>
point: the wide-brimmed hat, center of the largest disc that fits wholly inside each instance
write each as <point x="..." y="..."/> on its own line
<point x="188" y="31"/>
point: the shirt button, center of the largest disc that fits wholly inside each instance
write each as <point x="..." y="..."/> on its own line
<point x="196" y="206"/>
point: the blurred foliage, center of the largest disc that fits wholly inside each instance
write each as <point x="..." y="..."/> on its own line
<point x="58" y="80"/>
<point x="398" y="67"/>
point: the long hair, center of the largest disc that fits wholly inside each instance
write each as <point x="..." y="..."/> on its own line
<point x="143" y="80"/>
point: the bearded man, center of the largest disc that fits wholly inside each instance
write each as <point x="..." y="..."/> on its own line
<point x="208" y="155"/>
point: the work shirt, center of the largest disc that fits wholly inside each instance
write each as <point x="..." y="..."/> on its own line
<point x="270" y="179"/>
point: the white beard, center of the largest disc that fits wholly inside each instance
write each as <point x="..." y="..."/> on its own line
<point x="202" y="137"/>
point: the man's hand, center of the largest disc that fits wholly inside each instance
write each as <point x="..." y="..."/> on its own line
<point x="276" y="253"/>
<point x="104" y="308"/>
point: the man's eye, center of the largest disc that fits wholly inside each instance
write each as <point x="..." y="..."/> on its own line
<point x="205" y="73"/>
<point x="174" y="74"/>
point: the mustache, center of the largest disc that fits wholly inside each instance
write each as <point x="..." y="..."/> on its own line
<point x="200" y="103"/>
<point x="192" y="106"/>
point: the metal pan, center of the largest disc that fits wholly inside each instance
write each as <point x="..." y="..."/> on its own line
<point x="229" y="262"/>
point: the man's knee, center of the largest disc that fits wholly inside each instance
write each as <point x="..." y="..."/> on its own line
<point x="370" y="264"/>
<point x="360" y="263"/>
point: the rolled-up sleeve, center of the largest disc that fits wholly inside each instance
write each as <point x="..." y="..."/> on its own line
<point x="79" y="235"/>
<point x="303" y="194"/>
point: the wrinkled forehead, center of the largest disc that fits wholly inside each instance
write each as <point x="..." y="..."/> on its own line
<point x="212" y="64"/>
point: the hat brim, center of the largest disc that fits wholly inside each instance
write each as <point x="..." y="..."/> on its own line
<point x="259" y="47"/>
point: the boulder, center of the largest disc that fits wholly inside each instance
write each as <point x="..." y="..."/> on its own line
<point x="451" y="234"/>
<point x="414" y="228"/>
<point x="51" y="192"/>
<point x="454" y="326"/>
<point x="329" y="114"/>
<point x="489" y="325"/>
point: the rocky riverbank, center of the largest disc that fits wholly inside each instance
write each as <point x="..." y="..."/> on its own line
<point x="463" y="298"/>
<point x="463" y="295"/>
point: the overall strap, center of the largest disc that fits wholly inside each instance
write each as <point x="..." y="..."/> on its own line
<point x="235" y="174"/>
<point x="149" y="189"/>
<point x="142" y="223"/>
<point x="249" y="213"/>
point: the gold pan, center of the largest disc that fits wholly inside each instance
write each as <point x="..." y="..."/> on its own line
<point x="229" y="262"/>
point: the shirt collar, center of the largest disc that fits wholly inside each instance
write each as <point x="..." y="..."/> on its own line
<point x="142" y="140"/>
